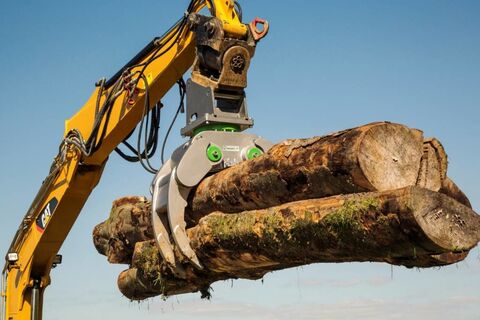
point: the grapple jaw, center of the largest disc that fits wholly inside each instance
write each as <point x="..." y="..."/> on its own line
<point x="207" y="152"/>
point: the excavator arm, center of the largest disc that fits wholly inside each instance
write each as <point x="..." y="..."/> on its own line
<point x="108" y="117"/>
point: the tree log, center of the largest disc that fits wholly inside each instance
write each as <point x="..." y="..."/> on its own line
<point x="407" y="227"/>
<point x="373" y="157"/>
<point x="128" y="223"/>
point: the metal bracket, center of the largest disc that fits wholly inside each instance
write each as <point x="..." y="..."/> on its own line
<point x="174" y="181"/>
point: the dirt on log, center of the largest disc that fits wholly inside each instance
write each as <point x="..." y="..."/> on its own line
<point x="414" y="227"/>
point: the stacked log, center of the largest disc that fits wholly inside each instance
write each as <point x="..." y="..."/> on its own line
<point x="378" y="192"/>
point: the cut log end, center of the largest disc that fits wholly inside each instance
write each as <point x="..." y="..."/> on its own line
<point x="453" y="191"/>
<point x="446" y="221"/>
<point x="389" y="156"/>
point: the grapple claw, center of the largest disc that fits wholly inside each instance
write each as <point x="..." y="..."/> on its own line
<point x="160" y="222"/>
<point x="177" y="201"/>
<point x="189" y="164"/>
<point x="165" y="246"/>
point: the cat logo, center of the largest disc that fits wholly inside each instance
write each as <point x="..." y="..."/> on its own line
<point x="46" y="214"/>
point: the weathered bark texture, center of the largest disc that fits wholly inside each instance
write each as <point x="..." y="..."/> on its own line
<point x="375" y="157"/>
<point x="128" y="223"/>
<point x="412" y="226"/>
<point x="378" y="192"/>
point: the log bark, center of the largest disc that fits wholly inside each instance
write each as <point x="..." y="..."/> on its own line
<point x="128" y="223"/>
<point x="409" y="226"/>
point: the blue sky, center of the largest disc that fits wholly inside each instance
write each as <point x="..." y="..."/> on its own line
<point x="325" y="66"/>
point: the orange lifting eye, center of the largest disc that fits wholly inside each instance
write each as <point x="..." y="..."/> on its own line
<point x="256" y="32"/>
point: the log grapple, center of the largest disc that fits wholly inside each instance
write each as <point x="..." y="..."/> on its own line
<point x="216" y="115"/>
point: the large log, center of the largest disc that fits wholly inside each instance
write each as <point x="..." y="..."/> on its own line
<point x="374" y="157"/>
<point x="407" y="227"/>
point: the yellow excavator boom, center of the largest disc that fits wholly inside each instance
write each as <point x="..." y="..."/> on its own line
<point x="110" y="114"/>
